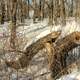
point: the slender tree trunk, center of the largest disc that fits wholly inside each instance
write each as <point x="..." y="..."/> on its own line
<point x="28" y="8"/>
<point x="8" y="10"/>
<point x="71" y="9"/>
<point x="32" y="50"/>
<point x="13" y="28"/>
<point x="51" y="13"/>
<point x="77" y="15"/>
<point x="3" y="11"/>
<point x="35" y="11"/>
<point x="40" y="9"/>
<point x="63" y="14"/>
<point x="43" y="7"/>
<point x="22" y="16"/>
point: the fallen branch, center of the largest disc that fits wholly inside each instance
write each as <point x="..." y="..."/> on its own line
<point x="32" y="50"/>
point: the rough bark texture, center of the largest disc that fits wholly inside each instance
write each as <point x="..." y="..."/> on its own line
<point x="32" y="50"/>
<point x="13" y="28"/>
<point x="58" y="61"/>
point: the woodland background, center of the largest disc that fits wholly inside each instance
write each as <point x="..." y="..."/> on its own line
<point x="35" y="28"/>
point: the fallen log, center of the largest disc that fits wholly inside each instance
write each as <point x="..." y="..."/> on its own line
<point x="32" y="50"/>
<point x="58" y="61"/>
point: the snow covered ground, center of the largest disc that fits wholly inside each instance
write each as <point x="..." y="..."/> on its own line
<point x="73" y="76"/>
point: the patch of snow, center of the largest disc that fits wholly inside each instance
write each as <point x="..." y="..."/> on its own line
<point x="72" y="76"/>
<point x="70" y="27"/>
<point x="46" y="32"/>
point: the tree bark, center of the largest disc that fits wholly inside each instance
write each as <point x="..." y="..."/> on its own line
<point x="2" y="11"/>
<point x="58" y="61"/>
<point x="63" y="14"/>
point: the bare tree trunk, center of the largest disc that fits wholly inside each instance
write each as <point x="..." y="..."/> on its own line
<point x="71" y="9"/>
<point x="56" y="12"/>
<point x="28" y="8"/>
<point x="8" y="10"/>
<point x="77" y="15"/>
<point x="59" y="58"/>
<point x="63" y="14"/>
<point x="2" y="11"/>
<point x="51" y="13"/>
<point x="13" y="28"/>
<point x="34" y="16"/>
<point x="40" y="9"/>
<point x="43" y="7"/>
<point x="22" y="14"/>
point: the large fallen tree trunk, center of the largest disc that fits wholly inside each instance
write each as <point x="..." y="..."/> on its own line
<point x="58" y="59"/>
<point x="32" y="50"/>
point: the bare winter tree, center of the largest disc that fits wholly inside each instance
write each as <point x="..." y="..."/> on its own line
<point x="77" y="3"/>
<point x="13" y="28"/>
